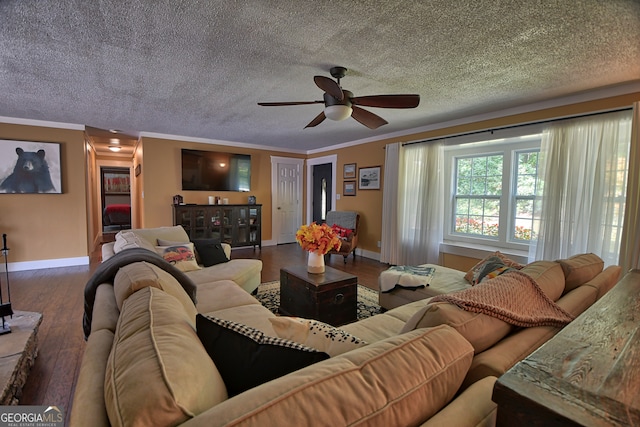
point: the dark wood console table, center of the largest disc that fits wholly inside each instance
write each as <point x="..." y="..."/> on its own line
<point x="587" y="375"/>
<point x="237" y="225"/>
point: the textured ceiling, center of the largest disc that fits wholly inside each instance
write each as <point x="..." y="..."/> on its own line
<point x="198" y="68"/>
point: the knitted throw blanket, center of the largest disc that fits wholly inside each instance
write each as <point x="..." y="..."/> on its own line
<point x="512" y="297"/>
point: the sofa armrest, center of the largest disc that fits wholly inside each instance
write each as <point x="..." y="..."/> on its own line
<point x="88" y="403"/>
<point x="107" y="251"/>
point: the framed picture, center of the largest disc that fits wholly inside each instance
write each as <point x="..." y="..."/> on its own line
<point x="138" y="169"/>
<point x="369" y="178"/>
<point x="349" y="171"/>
<point x="349" y="188"/>
<point x="30" y="167"/>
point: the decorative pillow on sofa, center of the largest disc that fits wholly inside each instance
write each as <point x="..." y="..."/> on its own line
<point x="315" y="334"/>
<point x="490" y="267"/>
<point x="182" y="256"/>
<point x="210" y="252"/>
<point x="246" y="357"/>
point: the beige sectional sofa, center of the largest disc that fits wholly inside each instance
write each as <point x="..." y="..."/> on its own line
<point x="144" y="363"/>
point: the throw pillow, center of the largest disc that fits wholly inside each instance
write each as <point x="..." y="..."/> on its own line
<point x="316" y="334"/>
<point x="182" y="256"/>
<point x="246" y="357"/>
<point x="210" y="252"/>
<point x="342" y="232"/>
<point x="490" y="265"/>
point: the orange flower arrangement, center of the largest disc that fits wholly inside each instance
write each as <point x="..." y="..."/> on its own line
<point x="319" y="238"/>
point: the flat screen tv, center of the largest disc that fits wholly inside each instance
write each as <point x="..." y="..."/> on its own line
<point x="215" y="171"/>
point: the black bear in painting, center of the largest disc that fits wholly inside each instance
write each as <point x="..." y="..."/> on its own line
<point x="30" y="175"/>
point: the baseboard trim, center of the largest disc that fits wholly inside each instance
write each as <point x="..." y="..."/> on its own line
<point x="45" y="263"/>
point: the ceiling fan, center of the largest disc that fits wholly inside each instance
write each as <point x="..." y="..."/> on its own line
<point x="340" y="104"/>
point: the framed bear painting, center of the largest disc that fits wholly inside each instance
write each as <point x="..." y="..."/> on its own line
<point x="30" y="167"/>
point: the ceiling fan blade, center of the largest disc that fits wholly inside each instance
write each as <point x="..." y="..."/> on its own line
<point x="279" y="104"/>
<point x="367" y="118"/>
<point x="388" y="101"/>
<point x="329" y="86"/>
<point x="315" y="122"/>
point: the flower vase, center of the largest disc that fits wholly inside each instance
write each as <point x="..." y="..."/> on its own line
<point x="315" y="263"/>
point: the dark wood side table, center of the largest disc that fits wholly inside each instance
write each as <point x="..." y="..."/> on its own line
<point x="330" y="297"/>
<point x="587" y="375"/>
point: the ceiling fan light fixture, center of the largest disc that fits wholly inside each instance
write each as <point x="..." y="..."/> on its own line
<point x="337" y="112"/>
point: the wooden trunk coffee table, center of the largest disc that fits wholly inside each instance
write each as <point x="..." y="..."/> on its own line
<point x="330" y="297"/>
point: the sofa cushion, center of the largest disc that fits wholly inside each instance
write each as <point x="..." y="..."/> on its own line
<point x="172" y="233"/>
<point x="150" y="378"/>
<point x="490" y="267"/>
<point x="579" y="269"/>
<point x="316" y="334"/>
<point x="400" y="381"/>
<point x="210" y="252"/>
<point x="247" y="357"/>
<point x="480" y="330"/>
<point x="138" y="275"/>
<point x="129" y="239"/>
<point x="549" y="277"/>
<point x="181" y="255"/>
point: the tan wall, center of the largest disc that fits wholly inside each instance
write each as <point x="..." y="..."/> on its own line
<point x="48" y="226"/>
<point x="366" y="202"/>
<point x="161" y="172"/>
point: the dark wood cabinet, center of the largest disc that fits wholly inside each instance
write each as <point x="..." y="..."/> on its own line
<point x="237" y="225"/>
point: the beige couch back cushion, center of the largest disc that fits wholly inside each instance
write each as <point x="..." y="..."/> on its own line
<point x="480" y="330"/>
<point x="548" y="275"/>
<point x="151" y="235"/>
<point x="138" y="275"/>
<point x="399" y="381"/>
<point x="158" y="373"/>
<point x="580" y="269"/>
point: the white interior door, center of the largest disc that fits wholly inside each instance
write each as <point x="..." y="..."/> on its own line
<point x="286" y="188"/>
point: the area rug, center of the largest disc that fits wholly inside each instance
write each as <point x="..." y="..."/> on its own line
<point x="269" y="296"/>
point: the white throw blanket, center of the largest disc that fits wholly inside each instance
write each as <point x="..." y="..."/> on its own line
<point x="405" y="276"/>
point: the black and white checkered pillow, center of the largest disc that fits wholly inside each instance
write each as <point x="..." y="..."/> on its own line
<point x="246" y="357"/>
<point x="258" y="336"/>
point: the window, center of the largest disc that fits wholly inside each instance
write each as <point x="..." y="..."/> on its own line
<point x="492" y="187"/>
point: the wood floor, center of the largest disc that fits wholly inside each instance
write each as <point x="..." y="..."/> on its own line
<point x="57" y="293"/>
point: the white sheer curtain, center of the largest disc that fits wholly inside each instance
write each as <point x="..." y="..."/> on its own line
<point x="420" y="203"/>
<point x="389" y="244"/>
<point x="583" y="170"/>
<point x="630" y="245"/>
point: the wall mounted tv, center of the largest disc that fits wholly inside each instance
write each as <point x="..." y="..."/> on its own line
<point x="215" y="171"/>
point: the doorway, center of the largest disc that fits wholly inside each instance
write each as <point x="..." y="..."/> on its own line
<point x="322" y="191"/>
<point x="331" y="185"/>
<point x="115" y="191"/>
<point x="286" y="190"/>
